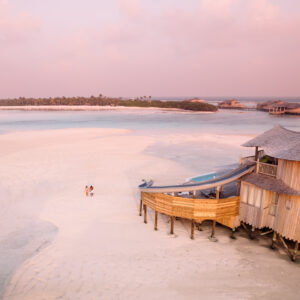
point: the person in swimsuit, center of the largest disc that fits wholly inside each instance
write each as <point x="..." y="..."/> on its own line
<point x="86" y="191"/>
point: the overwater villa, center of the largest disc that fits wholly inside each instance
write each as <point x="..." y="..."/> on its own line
<point x="233" y="104"/>
<point x="267" y="194"/>
<point x="279" y="107"/>
<point x="270" y="196"/>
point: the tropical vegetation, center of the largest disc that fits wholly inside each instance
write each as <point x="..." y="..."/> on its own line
<point x="106" y="101"/>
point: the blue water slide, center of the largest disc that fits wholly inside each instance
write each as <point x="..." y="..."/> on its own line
<point x="202" y="185"/>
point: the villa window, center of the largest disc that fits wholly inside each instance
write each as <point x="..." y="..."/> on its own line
<point x="288" y="204"/>
<point x="274" y="204"/>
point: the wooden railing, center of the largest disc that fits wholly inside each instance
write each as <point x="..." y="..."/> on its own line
<point x="249" y="159"/>
<point x="224" y="211"/>
<point x="267" y="169"/>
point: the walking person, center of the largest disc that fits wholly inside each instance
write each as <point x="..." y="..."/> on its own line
<point x="91" y="191"/>
<point x="86" y="191"/>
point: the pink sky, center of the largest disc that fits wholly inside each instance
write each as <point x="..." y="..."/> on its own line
<point x="142" y="47"/>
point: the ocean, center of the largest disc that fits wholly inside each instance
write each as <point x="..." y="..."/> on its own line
<point x="152" y="120"/>
<point x="202" y="142"/>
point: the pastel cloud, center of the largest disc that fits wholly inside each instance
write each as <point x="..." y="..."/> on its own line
<point x="131" y="8"/>
<point x="15" y="27"/>
<point x="219" y="47"/>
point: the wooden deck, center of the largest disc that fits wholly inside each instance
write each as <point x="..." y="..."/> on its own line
<point x="224" y="211"/>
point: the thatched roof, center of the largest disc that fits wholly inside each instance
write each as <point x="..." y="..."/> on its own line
<point x="292" y="105"/>
<point x="268" y="104"/>
<point x="288" y="105"/>
<point x="270" y="183"/>
<point x="278" y="142"/>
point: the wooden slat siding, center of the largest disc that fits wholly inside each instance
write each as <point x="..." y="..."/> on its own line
<point x="267" y="219"/>
<point x="249" y="213"/>
<point x="287" y="222"/>
<point x="289" y="173"/>
<point x="224" y="211"/>
<point x="258" y="217"/>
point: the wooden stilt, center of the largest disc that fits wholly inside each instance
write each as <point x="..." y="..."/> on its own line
<point x="247" y="230"/>
<point x="145" y="213"/>
<point x="141" y="206"/>
<point x="274" y="240"/>
<point x="218" y="192"/>
<point x="222" y="190"/>
<point x="213" y="229"/>
<point x="256" y="153"/>
<point x="232" y="234"/>
<point x="198" y="225"/>
<point x="172" y="225"/>
<point x="267" y="232"/>
<point x="252" y="236"/>
<point x="286" y="247"/>
<point x="192" y="229"/>
<point x="295" y="251"/>
<point x="212" y="236"/>
<point x="155" y="224"/>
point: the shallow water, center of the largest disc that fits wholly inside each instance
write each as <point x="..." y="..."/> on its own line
<point x="151" y="120"/>
<point x="170" y="129"/>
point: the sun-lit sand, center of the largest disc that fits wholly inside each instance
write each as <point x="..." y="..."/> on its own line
<point x="57" y="244"/>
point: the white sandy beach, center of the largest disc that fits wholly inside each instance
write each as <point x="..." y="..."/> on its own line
<point x="57" y="244"/>
<point x="67" y="107"/>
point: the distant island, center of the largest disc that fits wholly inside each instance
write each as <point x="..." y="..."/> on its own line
<point x="274" y="107"/>
<point x="105" y="101"/>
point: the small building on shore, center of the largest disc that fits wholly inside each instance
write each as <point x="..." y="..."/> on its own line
<point x="232" y="104"/>
<point x="293" y="108"/>
<point x="270" y="104"/>
<point x="195" y="100"/>
<point x="279" y="107"/>
<point x="270" y="197"/>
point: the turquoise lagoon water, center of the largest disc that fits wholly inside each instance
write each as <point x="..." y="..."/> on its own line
<point x="200" y="157"/>
<point x="156" y="121"/>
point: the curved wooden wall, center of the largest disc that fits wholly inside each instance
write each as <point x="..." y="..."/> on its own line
<point x="224" y="211"/>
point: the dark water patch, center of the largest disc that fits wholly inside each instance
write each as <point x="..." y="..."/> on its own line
<point x="21" y="244"/>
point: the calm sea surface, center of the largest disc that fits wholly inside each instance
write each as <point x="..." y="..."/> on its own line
<point x="148" y="120"/>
